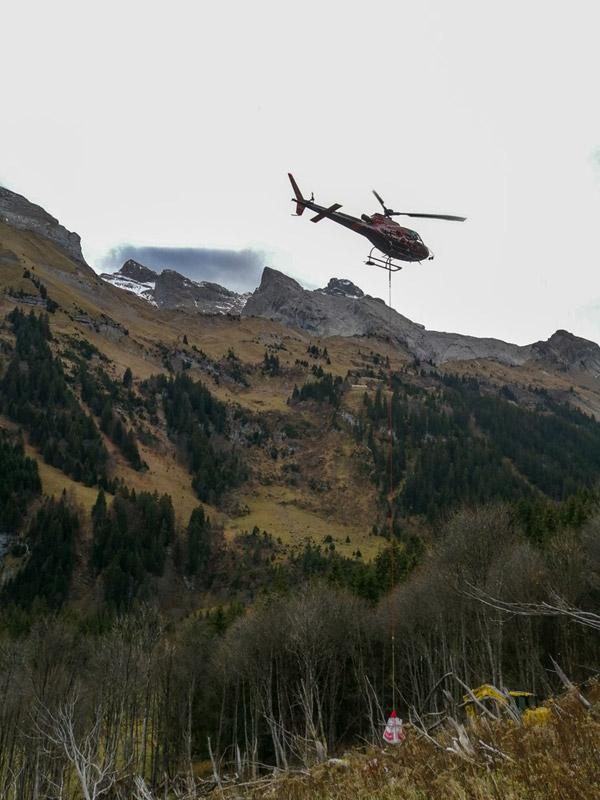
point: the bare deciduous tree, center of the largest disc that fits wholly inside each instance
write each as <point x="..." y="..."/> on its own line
<point x="93" y="762"/>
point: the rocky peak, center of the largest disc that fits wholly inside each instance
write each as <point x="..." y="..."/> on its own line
<point x="340" y="312"/>
<point x="342" y="287"/>
<point x="327" y="314"/>
<point x="137" y="272"/>
<point x="564" y="350"/>
<point x="274" y="296"/>
<point x="273" y="280"/>
<point x="18" y="212"/>
<point x="171" y="289"/>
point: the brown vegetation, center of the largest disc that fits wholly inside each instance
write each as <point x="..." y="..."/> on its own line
<point x="550" y="761"/>
<point x="95" y="703"/>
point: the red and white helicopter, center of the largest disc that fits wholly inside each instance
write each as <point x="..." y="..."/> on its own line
<point x="391" y="239"/>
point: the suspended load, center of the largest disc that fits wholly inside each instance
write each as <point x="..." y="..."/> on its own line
<point x="393" y="733"/>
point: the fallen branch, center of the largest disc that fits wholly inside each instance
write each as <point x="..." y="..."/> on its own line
<point x="570" y="685"/>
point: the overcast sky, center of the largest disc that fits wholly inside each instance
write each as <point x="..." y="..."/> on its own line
<point x="174" y="126"/>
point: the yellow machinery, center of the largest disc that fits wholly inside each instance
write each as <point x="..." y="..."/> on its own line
<point x="524" y="702"/>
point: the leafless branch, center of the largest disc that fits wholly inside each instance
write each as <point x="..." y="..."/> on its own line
<point x="559" y="608"/>
<point x="95" y="766"/>
<point x="570" y="685"/>
<point x="461" y="744"/>
<point x="494" y="751"/>
<point x="141" y="790"/>
<point x="419" y="726"/>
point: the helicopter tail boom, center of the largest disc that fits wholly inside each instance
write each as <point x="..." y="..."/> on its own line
<point x="300" y="204"/>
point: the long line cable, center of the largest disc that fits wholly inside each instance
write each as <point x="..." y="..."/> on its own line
<point x="391" y="489"/>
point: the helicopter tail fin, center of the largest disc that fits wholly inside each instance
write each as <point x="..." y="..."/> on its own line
<point x="300" y="200"/>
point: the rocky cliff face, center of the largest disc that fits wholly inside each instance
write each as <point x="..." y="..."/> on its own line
<point x="173" y="290"/>
<point x="170" y="289"/>
<point x="564" y="351"/>
<point x="342" y="287"/>
<point x="138" y="272"/>
<point x="339" y="309"/>
<point x="17" y="211"/>
<point x="319" y="312"/>
<point x="134" y="278"/>
<point x="342" y="309"/>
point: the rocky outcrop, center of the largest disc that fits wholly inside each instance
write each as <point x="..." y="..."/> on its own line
<point x="564" y="351"/>
<point x="284" y="300"/>
<point x="173" y="290"/>
<point x="17" y="211"/>
<point x="135" y="278"/>
<point x="169" y="290"/>
<point x="138" y="272"/>
<point x="342" y="309"/>
<point x="342" y="287"/>
<point x="442" y="348"/>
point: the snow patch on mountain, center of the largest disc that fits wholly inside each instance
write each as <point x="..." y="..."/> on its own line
<point x="143" y="290"/>
<point x="169" y="290"/>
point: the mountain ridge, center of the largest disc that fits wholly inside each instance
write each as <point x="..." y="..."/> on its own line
<point x="170" y="289"/>
<point x="343" y="309"/>
<point x="19" y="212"/>
<point x="336" y="313"/>
<point x="339" y="309"/>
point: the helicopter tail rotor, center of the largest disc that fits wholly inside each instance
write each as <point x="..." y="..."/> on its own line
<point x="300" y="206"/>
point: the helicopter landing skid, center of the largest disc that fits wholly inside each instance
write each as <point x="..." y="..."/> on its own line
<point x="385" y="263"/>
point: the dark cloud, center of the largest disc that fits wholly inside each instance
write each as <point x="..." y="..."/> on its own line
<point x="238" y="270"/>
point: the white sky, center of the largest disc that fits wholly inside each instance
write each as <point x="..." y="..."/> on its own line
<point x="175" y="124"/>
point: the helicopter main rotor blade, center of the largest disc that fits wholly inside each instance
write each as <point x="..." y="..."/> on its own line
<point x="387" y="211"/>
<point x="449" y="217"/>
<point x="391" y="213"/>
<point x="379" y="198"/>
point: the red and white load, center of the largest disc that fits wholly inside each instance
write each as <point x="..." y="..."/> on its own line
<point x="393" y="733"/>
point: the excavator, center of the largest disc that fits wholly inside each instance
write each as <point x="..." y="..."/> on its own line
<point x="524" y="702"/>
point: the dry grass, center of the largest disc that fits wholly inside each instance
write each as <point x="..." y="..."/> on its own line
<point x="577" y="388"/>
<point x="54" y="482"/>
<point x="553" y="761"/>
<point x="279" y="511"/>
<point x="330" y="492"/>
<point x="164" y="475"/>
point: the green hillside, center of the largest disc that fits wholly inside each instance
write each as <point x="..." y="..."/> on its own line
<point x="196" y="517"/>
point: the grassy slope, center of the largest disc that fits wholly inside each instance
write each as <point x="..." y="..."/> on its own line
<point x="293" y="513"/>
<point x="585" y="393"/>
<point x="330" y="491"/>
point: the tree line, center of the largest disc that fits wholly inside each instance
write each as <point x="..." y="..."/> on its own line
<point x="20" y="482"/>
<point x="459" y="443"/>
<point x="197" y="421"/>
<point x="306" y="674"/>
<point x="36" y="395"/>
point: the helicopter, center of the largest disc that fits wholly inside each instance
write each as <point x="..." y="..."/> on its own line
<point x="390" y="238"/>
